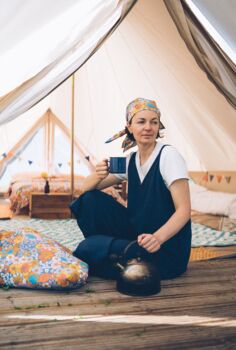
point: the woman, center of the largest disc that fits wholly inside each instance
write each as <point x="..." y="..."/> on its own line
<point x="158" y="211"/>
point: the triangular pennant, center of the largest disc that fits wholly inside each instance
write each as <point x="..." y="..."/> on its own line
<point x="228" y="178"/>
<point x="211" y="177"/>
<point x="59" y="164"/>
<point x="205" y="177"/>
<point x="30" y="162"/>
<point x="219" y="178"/>
<point x="87" y="157"/>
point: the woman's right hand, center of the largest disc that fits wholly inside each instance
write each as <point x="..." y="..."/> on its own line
<point x="102" y="169"/>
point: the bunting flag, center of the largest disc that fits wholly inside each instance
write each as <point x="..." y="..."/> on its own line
<point x="38" y="164"/>
<point x="218" y="177"/>
<point x="205" y="177"/>
<point x="211" y="177"/>
<point x="228" y="178"/>
<point x="30" y="161"/>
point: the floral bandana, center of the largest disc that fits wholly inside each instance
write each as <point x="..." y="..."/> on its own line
<point x="138" y="105"/>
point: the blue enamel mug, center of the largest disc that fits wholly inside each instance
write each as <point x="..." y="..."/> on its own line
<point x="117" y="165"/>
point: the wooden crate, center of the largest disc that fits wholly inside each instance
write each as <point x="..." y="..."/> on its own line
<point x="50" y="206"/>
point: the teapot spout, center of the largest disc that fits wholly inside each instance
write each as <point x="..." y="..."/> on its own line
<point x="120" y="266"/>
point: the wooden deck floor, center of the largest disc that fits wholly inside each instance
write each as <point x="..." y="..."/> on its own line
<point x="195" y="311"/>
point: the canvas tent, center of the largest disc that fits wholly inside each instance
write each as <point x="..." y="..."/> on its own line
<point x="145" y="56"/>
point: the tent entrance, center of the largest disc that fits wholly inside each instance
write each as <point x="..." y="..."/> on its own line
<point x="44" y="148"/>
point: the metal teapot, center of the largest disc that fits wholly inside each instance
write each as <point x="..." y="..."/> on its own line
<point x="136" y="277"/>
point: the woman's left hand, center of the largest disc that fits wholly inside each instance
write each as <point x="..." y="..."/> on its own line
<point x="149" y="242"/>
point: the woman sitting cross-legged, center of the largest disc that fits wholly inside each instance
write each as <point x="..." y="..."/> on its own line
<point x="158" y="210"/>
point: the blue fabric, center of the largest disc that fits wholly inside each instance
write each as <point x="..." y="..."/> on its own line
<point x="97" y="213"/>
<point x="106" y="228"/>
<point x="150" y="205"/>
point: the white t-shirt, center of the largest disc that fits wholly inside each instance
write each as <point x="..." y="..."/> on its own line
<point x="172" y="165"/>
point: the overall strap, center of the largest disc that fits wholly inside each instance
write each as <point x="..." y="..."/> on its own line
<point x="159" y="154"/>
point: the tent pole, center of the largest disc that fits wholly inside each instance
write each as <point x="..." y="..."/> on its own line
<point x="72" y="136"/>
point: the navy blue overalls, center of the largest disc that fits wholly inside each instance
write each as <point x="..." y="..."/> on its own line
<point x="108" y="226"/>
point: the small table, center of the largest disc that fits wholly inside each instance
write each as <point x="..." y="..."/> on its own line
<point x="50" y="205"/>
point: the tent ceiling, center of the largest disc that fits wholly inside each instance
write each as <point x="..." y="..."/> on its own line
<point x="45" y="47"/>
<point x="146" y="57"/>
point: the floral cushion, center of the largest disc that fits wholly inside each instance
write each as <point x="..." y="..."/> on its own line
<point x="31" y="260"/>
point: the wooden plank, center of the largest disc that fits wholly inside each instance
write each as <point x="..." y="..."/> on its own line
<point x="79" y="335"/>
<point x="98" y="292"/>
<point x="206" y="292"/>
<point x="216" y="292"/>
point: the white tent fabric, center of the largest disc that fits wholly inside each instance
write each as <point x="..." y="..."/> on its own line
<point x="46" y="42"/>
<point x="144" y="57"/>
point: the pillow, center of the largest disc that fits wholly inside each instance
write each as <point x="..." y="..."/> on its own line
<point x="212" y="202"/>
<point x="196" y="189"/>
<point x="29" y="259"/>
<point x="232" y="209"/>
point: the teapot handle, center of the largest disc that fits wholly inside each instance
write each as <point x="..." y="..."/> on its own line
<point x="128" y="247"/>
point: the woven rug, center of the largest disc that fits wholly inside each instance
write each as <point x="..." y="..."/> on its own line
<point x="208" y="237"/>
<point x="68" y="233"/>
<point x="206" y="253"/>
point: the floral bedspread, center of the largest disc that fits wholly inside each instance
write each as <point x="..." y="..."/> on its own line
<point x="19" y="191"/>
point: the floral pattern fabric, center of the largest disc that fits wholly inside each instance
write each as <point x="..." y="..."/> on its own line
<point x="19" y="191"/>
<point x="31" y="260"/>
<point x="135" y="106"/>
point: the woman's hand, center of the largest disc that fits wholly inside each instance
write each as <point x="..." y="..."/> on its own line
<point x="102" y="169"/>
<point x="149" y="242"/>
<point x="116" y="195"/>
